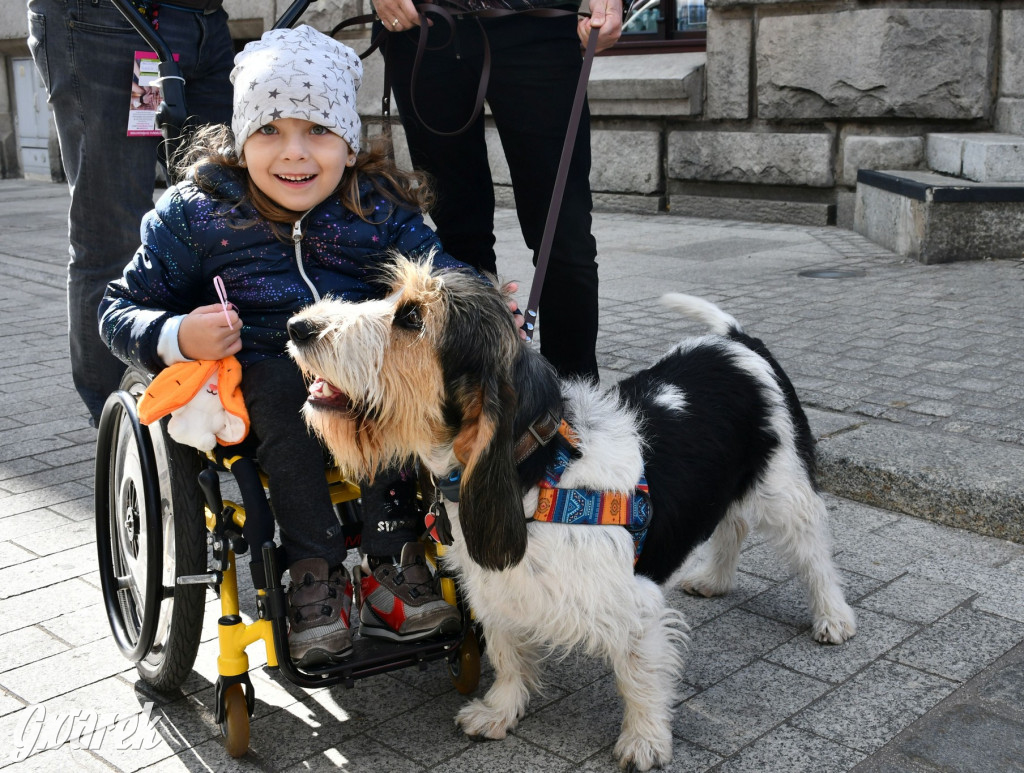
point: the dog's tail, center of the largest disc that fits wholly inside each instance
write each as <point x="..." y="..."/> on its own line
<point x="702" y="311"/>
<point x="726" y="325"/>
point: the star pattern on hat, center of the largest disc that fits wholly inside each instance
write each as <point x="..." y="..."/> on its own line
<point x="297" y="73"/>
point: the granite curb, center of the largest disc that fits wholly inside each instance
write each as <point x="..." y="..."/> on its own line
<point x="969" y="484"/>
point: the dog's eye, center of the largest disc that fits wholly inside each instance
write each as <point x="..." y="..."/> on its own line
<point x="408" y="316"/>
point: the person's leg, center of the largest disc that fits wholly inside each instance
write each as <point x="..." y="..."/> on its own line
<point x="320" y="594"/>
<point x="535" y="70"/>
<point x="294" y="462"/>
<point x="400" y="597"/>
<point x="207" y="57"/>
<point x="392" y="514"/>
<point x="85" y="53"/>
<point x="445" y="92"/>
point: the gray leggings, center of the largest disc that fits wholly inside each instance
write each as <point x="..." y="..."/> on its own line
<point x="294" y="462"/>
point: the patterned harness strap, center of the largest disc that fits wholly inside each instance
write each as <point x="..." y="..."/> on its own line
<point x="579" y="506"/>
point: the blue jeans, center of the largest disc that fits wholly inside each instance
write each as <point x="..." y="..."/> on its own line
<point x="84" y="51"/>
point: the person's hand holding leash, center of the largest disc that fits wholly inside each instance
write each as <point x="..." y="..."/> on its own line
<point x="606" y="16"/>
<point x="397" y="15"/>
<point x="207" y="333"/>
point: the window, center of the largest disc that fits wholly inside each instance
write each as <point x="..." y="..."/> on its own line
<point x="677" y="25"/>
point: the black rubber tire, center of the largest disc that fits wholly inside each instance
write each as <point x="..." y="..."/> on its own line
<point x="162" y="638"/>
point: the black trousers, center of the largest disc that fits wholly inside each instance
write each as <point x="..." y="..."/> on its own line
<point x="295" y="461"/>
<point x="535" y="67"/>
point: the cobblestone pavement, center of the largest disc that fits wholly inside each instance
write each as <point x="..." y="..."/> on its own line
<point x="906" y="358"/>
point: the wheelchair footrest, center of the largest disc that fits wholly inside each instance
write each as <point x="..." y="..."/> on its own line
<point x="377" y="656"/>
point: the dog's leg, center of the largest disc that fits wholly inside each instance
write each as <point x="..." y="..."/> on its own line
<point x="796" y="524"/>
<point x="515" y="675"/>
<point x="648" y="665"/>
<point x="710" y="569"/>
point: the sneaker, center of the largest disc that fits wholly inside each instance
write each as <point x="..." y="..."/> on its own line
<point x="319" y="605"/>
<point x="402" y="601"/>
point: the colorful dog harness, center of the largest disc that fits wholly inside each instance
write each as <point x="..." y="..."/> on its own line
<point x="573" y="506"/>
<point x="579" y="506"/>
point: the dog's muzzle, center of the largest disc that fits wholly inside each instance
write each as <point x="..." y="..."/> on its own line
<point x="302" y="331"/>
<point x="322" y="394"/>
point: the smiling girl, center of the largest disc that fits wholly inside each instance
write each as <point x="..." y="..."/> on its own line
<point x="285" y="209"/>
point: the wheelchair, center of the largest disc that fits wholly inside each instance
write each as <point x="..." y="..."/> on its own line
<point x="164" y="534"/>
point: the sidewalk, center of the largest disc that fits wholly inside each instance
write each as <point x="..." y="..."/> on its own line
<point x="913" y="377"/>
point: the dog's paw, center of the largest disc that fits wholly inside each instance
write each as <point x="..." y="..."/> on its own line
<point x="701" y="585"/>
<point x="639" y="754"/>
<point x="836" y="627"/>
<point x="479" y="720"/>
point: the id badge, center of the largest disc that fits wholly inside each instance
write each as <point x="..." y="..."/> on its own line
<point x="145" y="95"/>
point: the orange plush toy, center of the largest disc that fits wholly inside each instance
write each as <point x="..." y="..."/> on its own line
<point x="204" y="398"/>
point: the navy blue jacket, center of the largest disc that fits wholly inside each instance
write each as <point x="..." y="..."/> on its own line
<point x="192" y="236"/>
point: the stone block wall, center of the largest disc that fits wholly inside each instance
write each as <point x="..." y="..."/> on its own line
<point x="799" y="95"/>
<point x="1010" y="95"/>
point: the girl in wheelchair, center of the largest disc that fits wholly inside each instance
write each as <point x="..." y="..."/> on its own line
<point x="284" y="208"/>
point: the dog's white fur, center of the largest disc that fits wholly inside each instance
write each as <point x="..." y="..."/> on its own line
<point x="543" y="587"/>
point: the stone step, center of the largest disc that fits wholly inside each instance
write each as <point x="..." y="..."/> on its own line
<point x="981" y="156"/>
<point x="949" y="479"/>
<point x="939" y="219"/>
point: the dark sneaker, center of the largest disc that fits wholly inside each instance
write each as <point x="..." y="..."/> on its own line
<point x="319" y="606"/>
<point x="402" y="602"/>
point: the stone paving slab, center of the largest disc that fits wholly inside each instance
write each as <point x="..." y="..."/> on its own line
<point x="931" y="682"/>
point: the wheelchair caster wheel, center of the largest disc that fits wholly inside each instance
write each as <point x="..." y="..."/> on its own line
<point x="235" y="727"/>
<point x="464" y="666"/>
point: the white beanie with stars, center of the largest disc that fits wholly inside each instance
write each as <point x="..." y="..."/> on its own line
<point x="296" y="73"/>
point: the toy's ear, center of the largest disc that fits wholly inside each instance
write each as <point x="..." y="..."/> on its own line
<point x="490" y="498"/>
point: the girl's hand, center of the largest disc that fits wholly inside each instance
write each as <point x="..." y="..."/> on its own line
<point x="510" y="289"/>
<point x="205" y="334"/>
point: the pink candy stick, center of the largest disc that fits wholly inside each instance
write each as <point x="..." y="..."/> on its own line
<point x="218" y="284"/>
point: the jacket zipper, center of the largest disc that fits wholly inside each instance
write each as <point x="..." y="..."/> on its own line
<point x="297" y="241"/>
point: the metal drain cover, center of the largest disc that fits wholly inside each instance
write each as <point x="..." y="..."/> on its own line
<point x="833" y="273"/>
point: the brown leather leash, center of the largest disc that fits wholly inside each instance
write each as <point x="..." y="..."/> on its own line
<point x="555" y="206"/>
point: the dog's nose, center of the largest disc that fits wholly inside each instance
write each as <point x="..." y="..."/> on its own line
<point x="300" y="330"/>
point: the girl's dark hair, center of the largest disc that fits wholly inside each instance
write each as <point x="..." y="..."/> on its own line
<point x="215" y="144"/>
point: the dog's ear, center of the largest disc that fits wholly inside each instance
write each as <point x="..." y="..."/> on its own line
<point x="490" y="498"/>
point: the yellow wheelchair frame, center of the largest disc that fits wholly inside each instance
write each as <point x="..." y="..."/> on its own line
<point x="153" y="549"/>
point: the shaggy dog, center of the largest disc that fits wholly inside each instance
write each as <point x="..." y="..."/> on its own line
<point x="436" y="371"/>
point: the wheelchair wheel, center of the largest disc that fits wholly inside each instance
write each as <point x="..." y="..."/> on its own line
<point x="150" y="529"/>
<point x="235" y="727"/>
<point x="464" y="666"/>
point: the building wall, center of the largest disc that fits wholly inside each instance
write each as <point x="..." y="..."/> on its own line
<point x="800" y="95"/>
<point x="791" y="98"/>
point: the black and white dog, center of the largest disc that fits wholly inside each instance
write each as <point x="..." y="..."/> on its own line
<point x="437" y="371"/>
